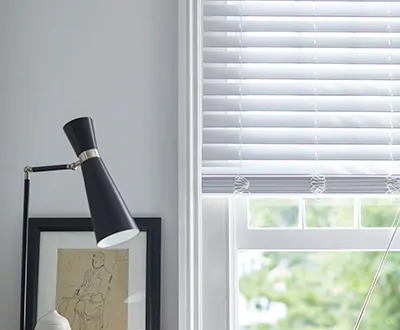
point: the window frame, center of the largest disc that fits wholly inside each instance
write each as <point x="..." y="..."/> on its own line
<point x="241" y="237"/>
<point x="189" y="163"/>
<point x="190" y="229"/>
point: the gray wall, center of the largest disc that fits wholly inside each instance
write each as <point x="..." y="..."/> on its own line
<point x="115" y="61"/>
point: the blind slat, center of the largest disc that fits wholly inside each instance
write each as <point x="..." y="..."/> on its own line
<point x="305" y="39"/>
<point x="301" y="103"/>
<point x="302" y="136"/>
<point x="346" y="152"/>
<point x="348" y="121"/>
<point x="340" y="2"/>
<point x="287" y="167"/>
<point x="301" y="71"/>
<point x="303" y="55"/>
<point x="296" y="87"/>
<point x="302" y="24"/>
<point x="301" y="8"/>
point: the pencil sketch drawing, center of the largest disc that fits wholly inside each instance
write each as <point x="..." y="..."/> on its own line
<point x="91" y="288"/>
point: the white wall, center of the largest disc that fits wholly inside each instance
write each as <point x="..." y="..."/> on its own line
<point x="115" y="61"/>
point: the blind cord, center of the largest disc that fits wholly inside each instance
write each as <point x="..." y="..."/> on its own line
<point x="240" y="184"/>
<point x="392" y="181"/>
<point x="317" y="181"/>
<point x="378" y="272"/>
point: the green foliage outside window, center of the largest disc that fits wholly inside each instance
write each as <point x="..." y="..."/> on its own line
<point x="274" y="212"/>
<point x="378" y="212"/>
<point x="329" y="212"/>
<point x="325" y="290"/>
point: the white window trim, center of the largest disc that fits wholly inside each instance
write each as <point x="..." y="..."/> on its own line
<point x="189" y="163"/>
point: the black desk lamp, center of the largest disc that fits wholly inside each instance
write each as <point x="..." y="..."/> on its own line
<point x="112" y="222"/>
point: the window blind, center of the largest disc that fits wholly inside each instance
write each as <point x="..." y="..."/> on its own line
<point x="300" y="88"/>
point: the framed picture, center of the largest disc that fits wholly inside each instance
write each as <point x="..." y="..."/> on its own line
<point x="95" y="289"/>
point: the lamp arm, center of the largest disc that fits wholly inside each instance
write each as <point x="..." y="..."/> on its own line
<point x="72" y="166"/>
<point x="28" y="170"/>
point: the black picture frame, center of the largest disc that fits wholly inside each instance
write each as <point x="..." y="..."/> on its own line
<point x="30" y="272"/>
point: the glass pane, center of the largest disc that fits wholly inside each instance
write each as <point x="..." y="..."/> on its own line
<point x="378" y="212"/>
<point x="273" y="212"/>
<point x="316" y="290"/>
<point x="329" y="212"/>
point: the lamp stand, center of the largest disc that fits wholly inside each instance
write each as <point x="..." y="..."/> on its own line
<point x="28" y="170"/>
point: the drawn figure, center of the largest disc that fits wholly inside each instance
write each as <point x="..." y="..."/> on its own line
<point x="86" y="306"/>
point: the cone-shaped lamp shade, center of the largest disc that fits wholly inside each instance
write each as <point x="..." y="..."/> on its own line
<point x="112" y="222"/>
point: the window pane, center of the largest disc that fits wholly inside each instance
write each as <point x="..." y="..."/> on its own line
<point x="273" y="212"/>
<point x="329" y="212"/>
<point x="316" y="290"/>
<point x="378" y="212"/>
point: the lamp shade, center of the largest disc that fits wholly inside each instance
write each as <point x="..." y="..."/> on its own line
<point x="112" y="221"/>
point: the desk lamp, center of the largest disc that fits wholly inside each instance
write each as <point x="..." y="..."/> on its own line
<point x="111" y="219"/>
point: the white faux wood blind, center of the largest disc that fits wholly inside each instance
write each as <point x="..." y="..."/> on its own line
<point x="301" y="87"/>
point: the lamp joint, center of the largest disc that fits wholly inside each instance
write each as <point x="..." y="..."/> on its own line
<point x="74" y="166"/>
<point x="27" y="171"/>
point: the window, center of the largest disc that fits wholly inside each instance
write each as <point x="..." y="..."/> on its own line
<point x="284" y="274"/>
<point x="297" y="97"/>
